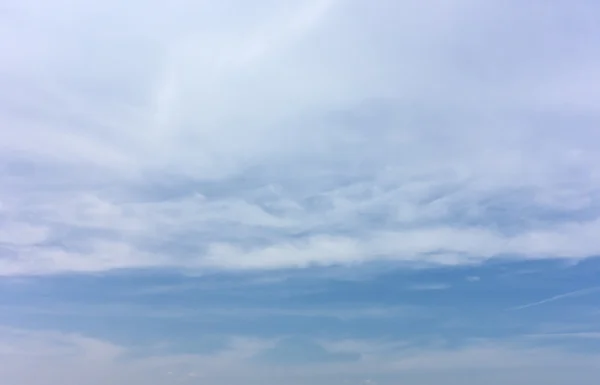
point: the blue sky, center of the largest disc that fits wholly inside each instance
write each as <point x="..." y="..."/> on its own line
<point x="307" y="191"/>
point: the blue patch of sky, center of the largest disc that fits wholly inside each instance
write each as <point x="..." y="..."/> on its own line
<point x="199" y="312"/>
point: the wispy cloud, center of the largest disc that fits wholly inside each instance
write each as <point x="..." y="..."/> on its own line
<point x="326" y="177"/>
<point x="571" y="294"/>
<point x="430" y="286"/>
<point x="71" y="359"/>
<point x="593" y="335"/>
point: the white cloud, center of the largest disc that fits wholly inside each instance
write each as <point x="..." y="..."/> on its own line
<point x="430" y="245"/>
<point x="285" y="135"/>
<point x="430" y="286"/>
<point x="22" y="234"/>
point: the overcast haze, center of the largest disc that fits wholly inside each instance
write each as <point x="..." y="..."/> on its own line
<point x="299" y="192"/>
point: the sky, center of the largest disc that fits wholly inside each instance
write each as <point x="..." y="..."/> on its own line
<point x="299" y="192"/>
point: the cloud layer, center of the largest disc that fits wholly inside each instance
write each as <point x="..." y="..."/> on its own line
<point x="204" y="136"/>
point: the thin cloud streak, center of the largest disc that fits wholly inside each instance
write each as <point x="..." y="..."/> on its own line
<point x="571" y="294"/>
